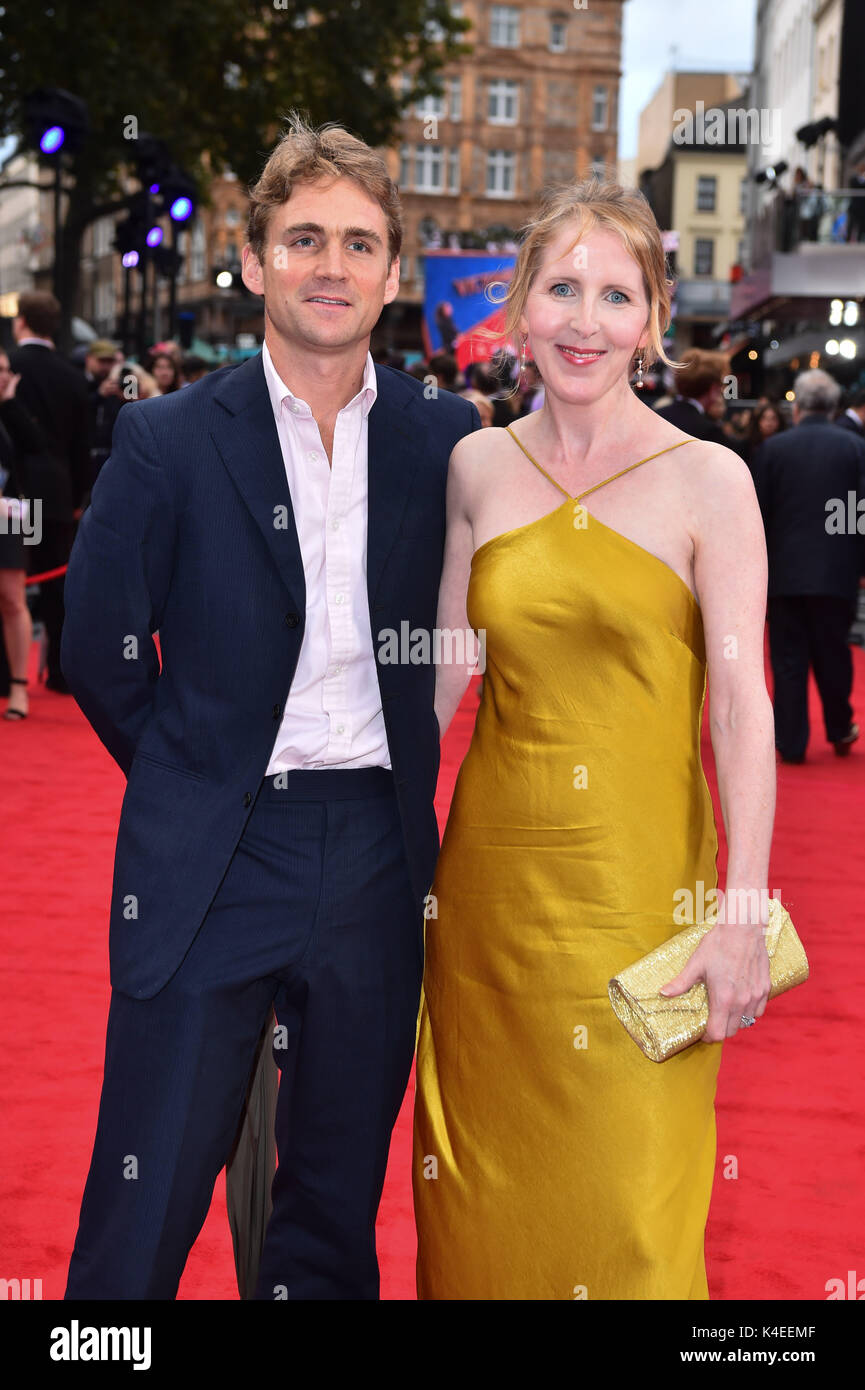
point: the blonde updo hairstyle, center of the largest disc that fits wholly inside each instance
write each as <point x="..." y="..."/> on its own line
<point x="597" y="200"/>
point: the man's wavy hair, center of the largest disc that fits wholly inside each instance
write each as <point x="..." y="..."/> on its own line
<point x="305" y="154"/>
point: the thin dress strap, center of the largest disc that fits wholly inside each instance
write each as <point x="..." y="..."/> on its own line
<point x="606" y="480"/>
<point x="535" y="462"/>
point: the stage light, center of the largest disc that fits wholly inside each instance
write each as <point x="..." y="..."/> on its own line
<point x="52" y="139"/>
<point x="181" y="209"/>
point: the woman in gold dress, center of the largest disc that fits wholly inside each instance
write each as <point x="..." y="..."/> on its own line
<point x="552" y="1159"/>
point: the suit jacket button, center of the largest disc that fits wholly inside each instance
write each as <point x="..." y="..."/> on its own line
<point x="291" y="620"/>
<point x="247" y="799"/>
<point x="276" y="711"/>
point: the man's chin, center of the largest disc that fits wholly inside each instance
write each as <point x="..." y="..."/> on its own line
<point x="324" y="336"/>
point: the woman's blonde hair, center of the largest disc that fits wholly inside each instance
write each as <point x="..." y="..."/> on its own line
<point x="305" y="154"/>
<point x="597" y="200"/>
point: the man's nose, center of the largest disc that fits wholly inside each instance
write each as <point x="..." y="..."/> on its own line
<point x="329" y="260"/>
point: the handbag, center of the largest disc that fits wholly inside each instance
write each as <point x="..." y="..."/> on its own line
<point x="663" y="1026"/>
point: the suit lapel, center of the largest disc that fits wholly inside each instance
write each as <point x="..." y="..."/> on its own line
<point x="249" y="446"/>
<point x="392" y="452"/>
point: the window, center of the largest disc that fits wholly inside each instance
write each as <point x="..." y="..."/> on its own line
<point x="501" y="171"/>
<point x="428" y="160"/>
<point x="232" y="217"/>
<point x="105" y="302"/>
<point x="502" y="102"/>
<point x="704" y="256"/>
<point x="404" y="166"/>
<point x="599" y="108"/>
<point x="429" y="233"/>
<point x="456" y="95"/>
<point x="430" y="106"/>
<point x="707" y="189"/>
<point x="557" y="35"/>
<point x="453" y="171"/>
<point x="231" y="253"/>
<point x="197" y="251"/>
<point x="103" y="236"/>
<point x="598" y="165"/>
<point x="504" y="27"/>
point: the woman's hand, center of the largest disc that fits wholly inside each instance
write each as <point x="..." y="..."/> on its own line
<point x="9" y="386"/>
<point x="733" y="963"/>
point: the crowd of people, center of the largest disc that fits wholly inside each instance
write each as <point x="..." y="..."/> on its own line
<point x="57" y="417"/>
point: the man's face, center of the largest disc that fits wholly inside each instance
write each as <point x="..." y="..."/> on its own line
<point x="99" y="367"/>
<point x="324" y="276"/>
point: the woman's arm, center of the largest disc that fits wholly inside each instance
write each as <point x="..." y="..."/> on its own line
<point x="730" y="573"/>
<point x="452" y="673"/>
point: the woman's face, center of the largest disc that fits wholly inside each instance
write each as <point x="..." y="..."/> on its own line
<point x="585" y="315"/>
<point x="163" y="370"/>
<point x="769" y="422"/>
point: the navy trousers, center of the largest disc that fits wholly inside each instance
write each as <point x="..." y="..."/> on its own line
<point x="316" y="917"/>
<point x="810" y="632"/>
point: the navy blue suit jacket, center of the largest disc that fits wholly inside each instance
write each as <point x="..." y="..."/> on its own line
<point x="796" y="474"/>
<point x="190" y="533"/>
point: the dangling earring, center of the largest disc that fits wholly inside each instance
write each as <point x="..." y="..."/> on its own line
<point x="640" y="372"/>
<point x="523" y="356"/>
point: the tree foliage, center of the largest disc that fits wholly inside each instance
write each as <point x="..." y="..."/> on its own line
<point x="214" y="80"/>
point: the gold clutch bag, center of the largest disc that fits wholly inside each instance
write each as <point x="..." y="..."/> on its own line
<point x="662" y="1026"/>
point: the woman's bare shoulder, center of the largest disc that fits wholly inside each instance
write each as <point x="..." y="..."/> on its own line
<point x="475" y="455"/>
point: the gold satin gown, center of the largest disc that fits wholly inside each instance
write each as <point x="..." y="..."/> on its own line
<point x="552" y="1159"/>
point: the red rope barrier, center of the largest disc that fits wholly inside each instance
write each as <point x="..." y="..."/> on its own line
<point x="49" y="574"/>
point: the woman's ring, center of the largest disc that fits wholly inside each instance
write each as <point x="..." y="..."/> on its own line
<point x="747" y="1022"/>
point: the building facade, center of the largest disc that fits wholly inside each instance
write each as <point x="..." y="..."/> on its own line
<point x="535" y="103"/>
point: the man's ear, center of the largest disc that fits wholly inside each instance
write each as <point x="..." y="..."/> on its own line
<point x="391" y="284"/>
<point x="250" y="270"/>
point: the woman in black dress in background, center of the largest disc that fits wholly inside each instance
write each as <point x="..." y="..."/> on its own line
<point x="19" y="437"/>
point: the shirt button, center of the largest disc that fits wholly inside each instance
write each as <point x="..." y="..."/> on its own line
<point x="295" y="405"/>
<point x="340" y="598"/>
<point x="340" y="728"/>
<point x="313" y="456"/>
<point x="334" y="525"/>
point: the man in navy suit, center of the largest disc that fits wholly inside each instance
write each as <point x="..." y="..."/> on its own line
<point x="810" y="483"/>
<point x="277" y="837"/>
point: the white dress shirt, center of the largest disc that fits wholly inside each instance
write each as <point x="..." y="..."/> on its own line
<point x="332" y="716"/>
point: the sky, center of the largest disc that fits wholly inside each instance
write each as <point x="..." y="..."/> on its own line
<point x="710" y="36"/>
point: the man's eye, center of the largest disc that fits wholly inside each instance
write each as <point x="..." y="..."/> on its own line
<point x="299" y="239"/>
<point x="362" y="244"/>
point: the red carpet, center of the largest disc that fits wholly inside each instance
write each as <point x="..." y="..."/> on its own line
<point x="790" y="1113"/>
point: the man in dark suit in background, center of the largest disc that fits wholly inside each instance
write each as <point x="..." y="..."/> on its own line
<point x="700" y="386"/>
<point x="276" y="522"/>
<point x="853" y="418"/>
<point x="55" y="395"/>
<point x="810" y="483"/>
